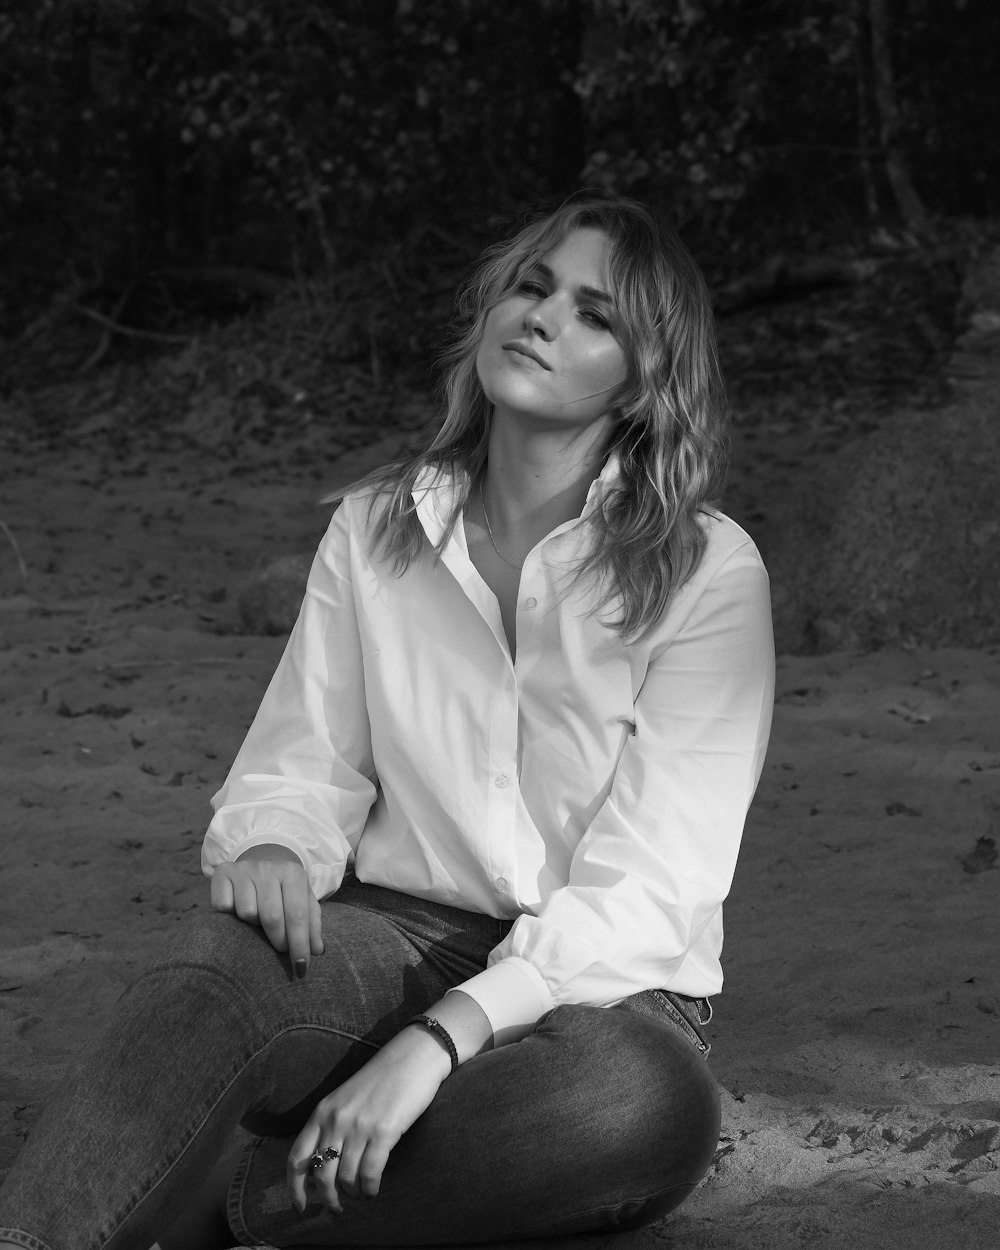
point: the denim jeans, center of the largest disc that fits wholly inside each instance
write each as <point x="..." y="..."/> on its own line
<point x="600" y="1119"/>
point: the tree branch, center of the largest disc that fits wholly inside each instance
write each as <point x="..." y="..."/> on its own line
<point x="781" y="274"/>
<point x="911" y="207"/>
<point x="152" y="336"/>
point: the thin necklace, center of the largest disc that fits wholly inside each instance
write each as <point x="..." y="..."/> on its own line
<point x="489" y="530"/>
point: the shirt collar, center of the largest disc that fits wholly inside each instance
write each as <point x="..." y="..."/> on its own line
<point x="606" y="481"/>
<point x="436" y="491"/>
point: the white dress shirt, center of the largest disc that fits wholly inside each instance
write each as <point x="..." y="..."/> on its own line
<point x="595" y="790"/>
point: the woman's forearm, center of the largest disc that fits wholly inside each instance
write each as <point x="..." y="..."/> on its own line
<point x="364" y="1118"/>
<point x="465" y="1021"/>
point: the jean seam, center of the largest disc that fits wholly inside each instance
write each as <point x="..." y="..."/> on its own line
<point x="681" y="1023"/>
<point x="234" y="1196"/>
<point x="245" y="998"/>
<point x="18" y="1236"/>
<point x="193" y="1133"/>
<point x="658" y="1005"/>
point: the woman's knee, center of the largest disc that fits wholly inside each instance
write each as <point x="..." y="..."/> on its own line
<point x="646" y="1090"/>
<point x="216" y="940"/>
<point x="212" y="956"/>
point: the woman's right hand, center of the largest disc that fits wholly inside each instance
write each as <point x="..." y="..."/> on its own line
<point x="268" y="886"/>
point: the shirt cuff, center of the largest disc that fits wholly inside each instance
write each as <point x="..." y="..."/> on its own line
<point x="324" y="879"/>
<point x="212" y="856"/>
<point x="513" y="996"/>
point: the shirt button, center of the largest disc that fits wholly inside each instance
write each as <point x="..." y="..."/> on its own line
<point x="531" y="602"/>
<point x="501" y="780"/>
<point x="502" y="883"/>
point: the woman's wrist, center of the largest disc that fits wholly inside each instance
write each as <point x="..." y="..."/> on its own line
<point x="439" y="1038"/>
<point x="268" y="850"/>
<point x="436" y="1028"/>
<point x="463" y="1021"/>
<point x="413" y="1043"/>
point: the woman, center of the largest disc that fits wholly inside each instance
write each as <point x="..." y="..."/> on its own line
<point x="487" y="813"/>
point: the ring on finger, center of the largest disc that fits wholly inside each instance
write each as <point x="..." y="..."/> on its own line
<point x="331" y="1152"/>
<point x="316" y="1163"/>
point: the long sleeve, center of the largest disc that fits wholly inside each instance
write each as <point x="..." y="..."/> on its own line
<point x="642" y="904"/>
<point x="304" y="776"/>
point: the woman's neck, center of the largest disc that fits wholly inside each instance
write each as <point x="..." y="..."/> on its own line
<point x="532" y="485"/>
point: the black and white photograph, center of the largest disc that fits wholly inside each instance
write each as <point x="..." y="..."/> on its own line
<point x="499" y="624"/>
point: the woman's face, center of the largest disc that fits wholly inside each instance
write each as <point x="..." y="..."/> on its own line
<point x="549" y="350"/>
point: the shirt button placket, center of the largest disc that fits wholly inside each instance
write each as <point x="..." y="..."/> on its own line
<point x="503" y="809"/>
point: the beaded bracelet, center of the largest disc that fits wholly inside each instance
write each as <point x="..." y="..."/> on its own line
<point x="436" y="1027"/>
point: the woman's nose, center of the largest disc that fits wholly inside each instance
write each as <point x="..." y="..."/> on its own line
<point x="538" y="320"/>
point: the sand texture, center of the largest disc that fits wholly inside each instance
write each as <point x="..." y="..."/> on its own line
<point x="858" y="1037"/>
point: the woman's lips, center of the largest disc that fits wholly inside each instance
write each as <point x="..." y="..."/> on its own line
<point x="522" y="349"/>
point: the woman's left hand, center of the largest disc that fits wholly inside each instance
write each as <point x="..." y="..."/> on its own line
<point x="363" y="1119"/>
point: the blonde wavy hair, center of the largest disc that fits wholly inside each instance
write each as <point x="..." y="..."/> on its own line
<point x="670" y="428"/>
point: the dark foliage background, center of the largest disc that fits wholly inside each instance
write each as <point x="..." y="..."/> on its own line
<point x="145" y="142"/>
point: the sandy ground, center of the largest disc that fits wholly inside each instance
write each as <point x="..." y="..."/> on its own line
<point x="858" y="1038"/>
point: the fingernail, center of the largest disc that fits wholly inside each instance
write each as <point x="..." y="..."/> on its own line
<point x="301" y="968"/>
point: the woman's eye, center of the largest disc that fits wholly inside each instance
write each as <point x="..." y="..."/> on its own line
<point x="530" y="287"/>
<point x="595" y="318"/>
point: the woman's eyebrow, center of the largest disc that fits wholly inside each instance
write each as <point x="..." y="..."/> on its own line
<point x="591" y="292"/>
